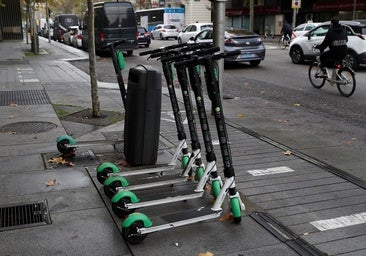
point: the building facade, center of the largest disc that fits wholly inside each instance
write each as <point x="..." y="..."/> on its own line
<point x="271" y="13"/>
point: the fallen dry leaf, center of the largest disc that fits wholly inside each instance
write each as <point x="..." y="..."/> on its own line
<point x="240" y="116"/>
<point x="12" y="104"/>
<point x="287" y="153"/>
<point x="60" y="160"/>
<point x="297" y="105"/>
<point x="205" y="254"/>
<point x="50" y="183"/>
<point x="227" y="217"/>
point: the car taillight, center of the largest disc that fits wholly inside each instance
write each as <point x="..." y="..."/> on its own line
<point x="79" y="36"/>
<point x="163" y="30"/>
<point x="229" y="41"/>
<point x="137" y="35"/>
<point x="101" y="37"/>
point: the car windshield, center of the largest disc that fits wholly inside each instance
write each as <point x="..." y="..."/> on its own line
<point x="206" y="26"/>
<point x="320" y="31"/>
<point x="141" y="30"/>
<point x="169" y="27"/>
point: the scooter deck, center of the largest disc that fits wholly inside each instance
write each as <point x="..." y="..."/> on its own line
<point x="183" y="218"/>
<point x="165" y="197"/>
<point x="154" y="181"/>
<point x="83" y="144"/>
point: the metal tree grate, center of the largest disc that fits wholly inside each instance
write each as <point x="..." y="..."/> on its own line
<point x="20" y="216"/>
<point x="24" y="97"/>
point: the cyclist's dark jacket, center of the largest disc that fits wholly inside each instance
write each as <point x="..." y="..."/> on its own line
<point x="336" y="38"/>
<point x="286" y="28"/>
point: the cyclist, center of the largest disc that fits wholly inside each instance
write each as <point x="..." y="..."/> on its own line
<point x="286" y="30"/>
<point x="336" y="39"/>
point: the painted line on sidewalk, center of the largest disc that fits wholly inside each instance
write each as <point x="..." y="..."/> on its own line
<point x="270" y="171"/>
<point x="340" y="222"/>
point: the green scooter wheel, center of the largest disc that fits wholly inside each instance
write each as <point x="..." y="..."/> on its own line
<point x="216" y="188"/>
<point x="111" y="189"/>
<point x="235" y="209"/>
<point x="199" y="173"/>
<point x="119" y="208"/>
<point x="131" y="233"/>
<point x="62" y="141"/>
<point x="104" y="169"/>
<point x="185" y="160"/>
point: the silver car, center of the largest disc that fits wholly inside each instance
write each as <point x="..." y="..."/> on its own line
<point x="165" y="31"/>
<point x="249" y="44"/>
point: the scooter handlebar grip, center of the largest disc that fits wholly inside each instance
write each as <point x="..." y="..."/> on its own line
<point x="163" y="49"/>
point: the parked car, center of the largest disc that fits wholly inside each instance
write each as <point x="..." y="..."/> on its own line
<point x="250" y="45"/>
<point x="304" y="28"/>
<point x="165" y="31"/>
<point x="301" y="46"/>
<point x="143" y="37"/>
<point x="77" y="39"/>
<point x="68" y="36"/>
<point x="191" y="30"/>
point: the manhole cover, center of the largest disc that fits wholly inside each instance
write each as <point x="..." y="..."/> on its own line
<point x="28" y="127"/>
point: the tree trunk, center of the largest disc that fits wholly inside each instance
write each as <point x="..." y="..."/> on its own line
<point x="92" y="62"/>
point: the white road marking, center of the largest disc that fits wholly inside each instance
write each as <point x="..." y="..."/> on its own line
<point x="340" y="222"/>
<point x="271" y="171"/>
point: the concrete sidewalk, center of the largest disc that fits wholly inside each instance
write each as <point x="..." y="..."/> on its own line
<point x="284" y="193"/>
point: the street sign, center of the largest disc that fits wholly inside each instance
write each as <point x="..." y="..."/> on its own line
<point x="296" y="4"/>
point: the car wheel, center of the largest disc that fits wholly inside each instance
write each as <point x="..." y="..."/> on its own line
<point x="179" y="41"/>
<point x="296" y="55"/>
<point x="351" y="61"/>
<point x="147" y="45"/>
<point x="161" y="37"/>
<point x="254" y="63"/>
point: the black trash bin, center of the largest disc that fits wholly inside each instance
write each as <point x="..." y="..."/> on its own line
<point x="143" y="111"/>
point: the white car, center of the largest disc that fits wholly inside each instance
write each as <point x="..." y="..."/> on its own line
<point x="301" y="47"/>
<point x="191" y="30"/>
<point x="305" y="27"/>
<point x="165" y="31"/>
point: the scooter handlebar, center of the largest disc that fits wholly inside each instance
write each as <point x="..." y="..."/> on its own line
<point x="162" y="49"/>
<point x="193" y="58"/>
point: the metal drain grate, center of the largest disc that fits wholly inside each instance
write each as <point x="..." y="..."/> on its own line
<point x="21" y="128"/>
<point x="25" y="215"/>
<point x="24" y="97"/>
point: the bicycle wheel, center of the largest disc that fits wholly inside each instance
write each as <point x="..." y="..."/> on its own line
<point x="315" y="76"/>
<point x="346" y="82"/>
<point x="282" y="43"/>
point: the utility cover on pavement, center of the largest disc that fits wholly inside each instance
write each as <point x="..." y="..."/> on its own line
<point x="24" y="215"/>
<point x="27" y="127"/>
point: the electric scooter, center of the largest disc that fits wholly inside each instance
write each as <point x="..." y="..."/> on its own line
<point x="125" y="201"/>
<point x="119" y="182"/>
<point x="137" y="225"/>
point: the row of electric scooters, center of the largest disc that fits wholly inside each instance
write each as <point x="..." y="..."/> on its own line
<point x="129" y="190"/>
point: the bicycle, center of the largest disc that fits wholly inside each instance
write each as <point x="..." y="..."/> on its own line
<point x="284" y="41"/>
<point x="342" y="76"/>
